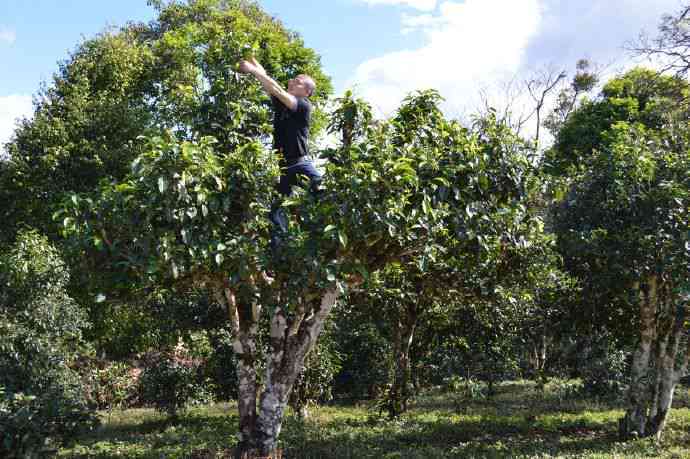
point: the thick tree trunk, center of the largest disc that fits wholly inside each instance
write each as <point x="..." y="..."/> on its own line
<point x="635" y="420"/>
<point x="659" y="361"/>
<point x="668" y="372"/>
<point x="658" y="371"/>
<point x="244" y="324"/>
<point x="291" y="340"/>
<point x="404" y="334"/>
<point x="245" y="348"/>
<point x="659" y="415"/>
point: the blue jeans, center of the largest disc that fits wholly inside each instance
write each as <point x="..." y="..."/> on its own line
<point x="304" y="167"/>
<point x="289" y="178"/>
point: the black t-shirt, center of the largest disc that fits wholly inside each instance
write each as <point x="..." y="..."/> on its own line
<point x="291" y="129"/>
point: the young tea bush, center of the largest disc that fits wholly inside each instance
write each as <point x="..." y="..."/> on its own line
<point x="172" y="382"/>
<point x="42" y="401"/>
<point x="31" y="423"/>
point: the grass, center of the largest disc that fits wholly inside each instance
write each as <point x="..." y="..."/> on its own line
<point x="518" y="422"/>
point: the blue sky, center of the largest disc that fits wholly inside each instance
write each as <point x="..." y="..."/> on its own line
<point x="39" y="33"/>
<point x="382" y="48"/>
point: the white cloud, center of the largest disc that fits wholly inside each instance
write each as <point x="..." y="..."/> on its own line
<point x="422" y="5"/>
<point x="465" y="44"/>
<point x="12" y="108"/>
<point x="411" y="22"/>
<point x="7" y="35"/>
<point x="594" y="29"/>
<point x="475" y="46"/>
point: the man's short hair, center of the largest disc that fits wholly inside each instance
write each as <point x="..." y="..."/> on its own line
<point x="309" y="83"/>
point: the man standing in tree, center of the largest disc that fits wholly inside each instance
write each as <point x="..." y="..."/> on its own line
<point x="290" y="132"/>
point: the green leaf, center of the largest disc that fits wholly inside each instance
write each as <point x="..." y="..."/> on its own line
<point x="290" y="202"/>
<point x="483" y="182"/>
<point x="442" y="181"/>
<point x="98" y="243"/>
<point x="342" y="237"/>
<point x="426" y="206"/>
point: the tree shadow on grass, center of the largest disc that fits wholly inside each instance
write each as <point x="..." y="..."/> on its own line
<point x="421" y="434"/>
<point x="190" y="435"/>
<point x="445" y="438"/>
<point x="126" y="430"/>
<point x="527" y="401"/>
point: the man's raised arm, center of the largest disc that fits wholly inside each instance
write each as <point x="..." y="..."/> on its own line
<point x="271" y="87"/>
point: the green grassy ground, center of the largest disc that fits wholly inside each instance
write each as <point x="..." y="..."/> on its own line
<point x="518" y="423"/>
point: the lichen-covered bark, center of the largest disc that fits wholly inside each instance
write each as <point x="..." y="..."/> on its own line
<point x="245" y="348"/>
<point x="291" y="340"/>
<point x="635" y="420"/>
<point x="668" y="372"/>
<point x="244" y="324"/>
<point x="659" y="362"/>
<point x="663" y="330"/>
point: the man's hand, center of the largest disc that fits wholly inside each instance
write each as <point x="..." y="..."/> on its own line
<point x="252" y="66"/>
<point x="271" y="87"/>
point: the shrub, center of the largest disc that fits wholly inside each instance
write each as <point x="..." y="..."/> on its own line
<point x="315" y="382"/>
<point x="467" y="388"/>
<point x="111" y="384"/>
<point x="157" y="320"/>
<point x="221" y="365"/>
<point x="19" y="436"/>
<point x="30" y="423"/>
<point x="564" y="389"/>
<point x="43" y="401"/>
<point x="604" y="368"/>
<point x="170" y="382"/>
<point x="366" y="359"/>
